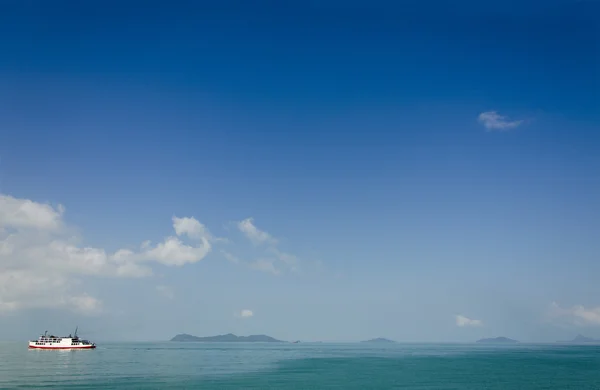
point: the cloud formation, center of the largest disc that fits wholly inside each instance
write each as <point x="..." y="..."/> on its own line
<point x="190" y="227"/>
<point x="24" y="213"/>
<point x="273" y="260"/>
<point x="463" y="321"/>
<point x="493" y="121"/>
<point x="577" y="315"/>
<point x="254" y="234"/>
<point x="230" y="257"/>
<point x="265" y="265"/>
<point x="42" y="266"/>
<point x="246" y="313"/>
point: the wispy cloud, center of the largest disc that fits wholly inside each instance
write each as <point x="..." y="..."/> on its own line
<point x="273" y="261"/>
<point x="493" y="121"/>
<point x="265" y="265"/>
<point x="288" y="259"/>
<point x="86" y="304"/>
<point x="577" y="315"/>
<point x="230" y="257"/>
<point x="246" y="313"/>
<point x="463" y="321"/>
<point x="254" y="234"/>
<point x="165" y="291"/>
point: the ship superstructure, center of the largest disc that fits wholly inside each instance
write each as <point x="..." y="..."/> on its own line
<point x="47" y="341"/>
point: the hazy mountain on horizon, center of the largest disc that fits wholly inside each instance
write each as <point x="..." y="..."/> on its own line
<point x="378" y="340"/>
<point x="580" y="339"/>
<point x="226" y="338"/>
<point x="497" y="340"/>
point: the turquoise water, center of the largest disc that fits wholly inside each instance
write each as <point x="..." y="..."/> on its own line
<point x="302" y="366"/>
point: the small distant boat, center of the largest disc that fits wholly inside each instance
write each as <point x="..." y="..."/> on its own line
<point x="46" y="341"/>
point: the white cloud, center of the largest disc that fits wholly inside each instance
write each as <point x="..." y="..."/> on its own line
<point x="165" y="291"/>
<point x="174" y="252"/>
<point x="230" y="257"/>
<point x="492" y="121"/>
<point x="577" y="315"/>
<point x="23" y="213"/>
<point x="246" y="313"/>
<point x="24" y="289"/>
<point x="43" y="266"/>
<point x="289" y="260"/>
<point x="265" y="265"/>
<point x="274" y="261"/>
<point x="86" y="304"/>
<point x="463" y="321"/>
<point x="254" y="234"/>
<point x="192" y="228"/>
<point x="40" y="266"/>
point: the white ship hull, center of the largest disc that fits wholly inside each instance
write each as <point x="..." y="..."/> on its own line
<point x="34" y="345"/>
<point x="55" y="342"/>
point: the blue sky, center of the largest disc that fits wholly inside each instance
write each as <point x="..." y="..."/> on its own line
<point x="353" y="169"/>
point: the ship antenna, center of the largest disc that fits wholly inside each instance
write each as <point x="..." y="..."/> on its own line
<point x="77" y="327"/>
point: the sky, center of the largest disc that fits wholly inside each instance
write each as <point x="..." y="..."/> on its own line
<point x="337" y="171"/>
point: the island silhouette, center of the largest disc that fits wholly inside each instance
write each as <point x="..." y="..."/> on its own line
<point x="581" y="339"/>
<point x="497" y="340"/>
<point x="378" y="340"/>
<point x="226" y="338"/>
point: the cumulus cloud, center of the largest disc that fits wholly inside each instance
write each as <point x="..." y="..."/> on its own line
<point x="24" y="213"/>
<point x="40" y="266"/>
<point x="463" y="321"/>
<point x="174" y="252"/>
<point x="191" y="227"/>
<point x="493" y="121"/>
<point x="577" y="315"/>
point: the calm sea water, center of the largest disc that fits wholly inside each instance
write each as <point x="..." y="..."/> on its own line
<point x="302" y="366"/>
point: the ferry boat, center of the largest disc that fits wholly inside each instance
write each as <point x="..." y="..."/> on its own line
<point x="46" y="341"/>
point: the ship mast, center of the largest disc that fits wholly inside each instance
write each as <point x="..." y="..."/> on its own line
<point x="77" y="327"/>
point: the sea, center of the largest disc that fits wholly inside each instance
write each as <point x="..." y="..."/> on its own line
<point x="171" y="365"/>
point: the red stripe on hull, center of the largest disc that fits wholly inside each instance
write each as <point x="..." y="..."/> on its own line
<point x="39" y="347"/>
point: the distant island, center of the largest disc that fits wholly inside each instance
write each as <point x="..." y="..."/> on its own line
<point x="580" y="339"/>
<point x="378" y="340"/>
<point x="226" y="338"/>
<point x="497" y="340"/>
